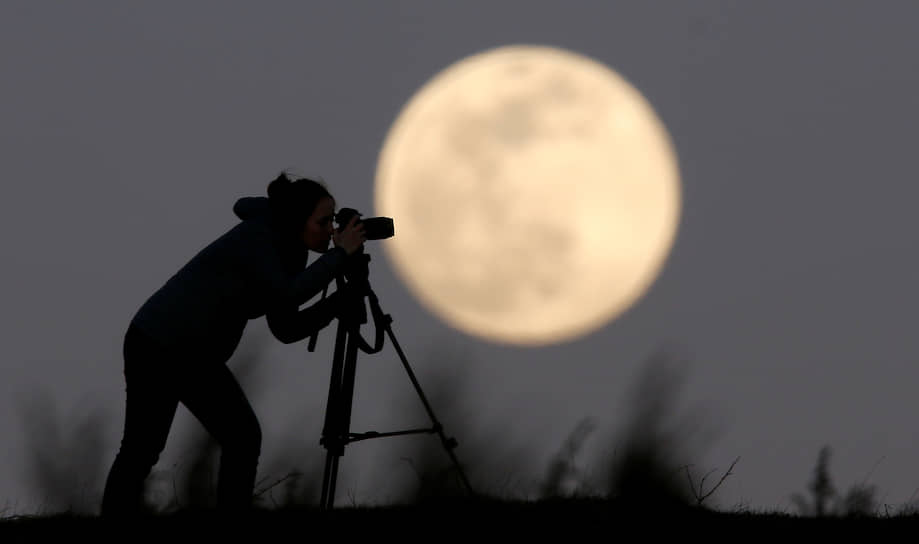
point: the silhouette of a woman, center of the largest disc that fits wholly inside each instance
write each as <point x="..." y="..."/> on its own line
<point x="177" y="345"/>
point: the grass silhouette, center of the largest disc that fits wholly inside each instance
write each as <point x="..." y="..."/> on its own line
<point x="647" y="480"/>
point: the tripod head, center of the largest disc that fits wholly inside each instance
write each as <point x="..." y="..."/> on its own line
<point x="353" y="289"/>
<point x="357" y="271"/>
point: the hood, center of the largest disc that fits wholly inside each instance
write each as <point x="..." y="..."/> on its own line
<point x="253" y="208"/>
<point x="259" y="209"/>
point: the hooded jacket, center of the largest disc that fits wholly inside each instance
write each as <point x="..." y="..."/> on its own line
<point x="256" y="268"/>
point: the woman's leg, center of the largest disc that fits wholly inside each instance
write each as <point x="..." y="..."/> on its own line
<point x="215" y="398"/>
<point x="150" y="407"/>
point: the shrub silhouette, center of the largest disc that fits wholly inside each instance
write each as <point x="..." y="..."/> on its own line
<point x="859" y="499"/>
<point x="645" y="471"/>
<point x="563" y="477"/>
<point x="436" y="478"/>
<point x="292" y="479"/>
<point x="64" y="459"/>
<point x="484" y="453"/>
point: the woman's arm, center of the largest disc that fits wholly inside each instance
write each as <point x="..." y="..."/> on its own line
<point x="289" y="325"/>
<point x="276" y="285"/>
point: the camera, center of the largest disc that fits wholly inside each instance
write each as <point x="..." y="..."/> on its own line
<point x="375" y="228"/>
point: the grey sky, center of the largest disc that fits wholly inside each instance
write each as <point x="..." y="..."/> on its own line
<point x="129" y="130"/>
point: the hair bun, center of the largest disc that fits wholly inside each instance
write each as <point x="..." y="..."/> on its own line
<point x="279" y="186"/>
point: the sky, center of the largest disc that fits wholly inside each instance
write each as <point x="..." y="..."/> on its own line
<point x="787" y="302"/>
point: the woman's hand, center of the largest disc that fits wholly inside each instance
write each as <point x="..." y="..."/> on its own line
<point x="351" y="237"/>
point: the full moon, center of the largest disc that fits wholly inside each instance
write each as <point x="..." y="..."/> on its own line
<point x="535" y="195"/>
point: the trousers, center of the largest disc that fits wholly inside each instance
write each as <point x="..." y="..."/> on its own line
<point x="156" y="381"/>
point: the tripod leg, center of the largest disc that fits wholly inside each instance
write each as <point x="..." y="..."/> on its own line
<point x="338" y="415"/>
<point x="347" y="385"/>
<point x="448" y="443"/>
<point x="331" y="432"/>
<point x="328" y="482"/>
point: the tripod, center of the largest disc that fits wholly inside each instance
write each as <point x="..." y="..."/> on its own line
<point x="336" y="433"/>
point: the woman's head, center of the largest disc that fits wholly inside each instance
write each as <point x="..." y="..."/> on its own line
<point x="305" y="208"/>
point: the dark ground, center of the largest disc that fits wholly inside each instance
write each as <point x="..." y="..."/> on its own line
<point x="452" y="520"/>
